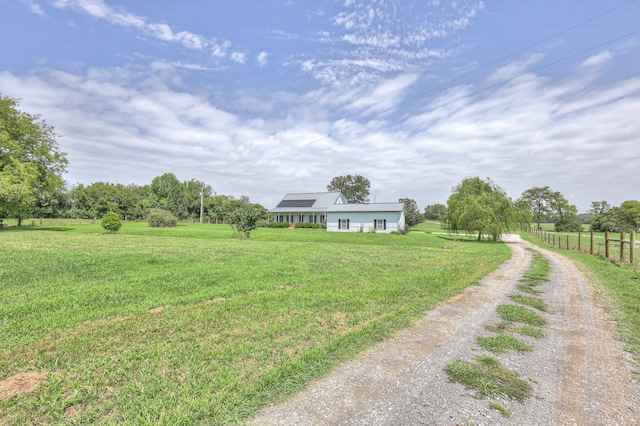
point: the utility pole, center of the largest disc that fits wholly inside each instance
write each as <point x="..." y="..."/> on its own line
<point x="201" y="206"/>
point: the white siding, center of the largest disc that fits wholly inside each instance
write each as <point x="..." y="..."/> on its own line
<point x="364" y="221"/>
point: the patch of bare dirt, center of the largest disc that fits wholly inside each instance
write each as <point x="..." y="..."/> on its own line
<point x="20" y="384"/>
<point x="578" y="371"/>
<point x="158" y="309"/>
<point x="72" y="411"/>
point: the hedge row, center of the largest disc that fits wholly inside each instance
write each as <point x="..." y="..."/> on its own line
<point x="307" y="225"/>
<point x="278" y="224"/>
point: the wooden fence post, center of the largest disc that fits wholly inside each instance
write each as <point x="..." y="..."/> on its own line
<point x="606" y="244"/>
<point x="622" y="246"/>
<point x="593" y="241"/>
<point x="580" y="242"/>
<point x="568" y="243"/>
<point x="632" y="248"/>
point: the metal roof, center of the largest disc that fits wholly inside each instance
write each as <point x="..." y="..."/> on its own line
<point x="308" y="202"/>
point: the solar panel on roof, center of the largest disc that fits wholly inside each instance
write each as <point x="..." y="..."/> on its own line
<point x="296" y="203"/>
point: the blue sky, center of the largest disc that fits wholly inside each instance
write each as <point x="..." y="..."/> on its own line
<point x="264" y="98"/>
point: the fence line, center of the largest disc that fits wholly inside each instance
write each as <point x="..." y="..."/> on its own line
<point x="622" y="243"/>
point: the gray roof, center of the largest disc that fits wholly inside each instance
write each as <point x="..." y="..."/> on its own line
<point x="307" y="202"/>
<point x="371" y="207"/>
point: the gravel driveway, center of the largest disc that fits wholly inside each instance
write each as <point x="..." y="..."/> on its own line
<point x="579" y="372"/>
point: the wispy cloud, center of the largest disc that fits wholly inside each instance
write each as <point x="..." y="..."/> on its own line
<point x="99" y="9"/>
<point x="386" y="36"/>
<point x="34" y="7"/>
<point x="598" y="59"/>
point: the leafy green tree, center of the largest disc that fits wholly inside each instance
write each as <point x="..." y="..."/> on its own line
<point x="480" y="206"/>
<point x="31" y="163"/>
<point x="412" y="215"/>
<point x="192" y="190"/>
<point x="630" y="212"/>
<point x="244" y="218"/>
<point x="561" y="209"/>
<point x="539" y="200"/>
<point x="111" y="222"/>
<point x="167" y="193"/>
<point x="599" y="207"/>
<point x="523" y="213"/>
<point x="97" y="199"/>
<point x="552" y="206"/>
<point x="355" y="188"/>
<point x="435" y="212"/>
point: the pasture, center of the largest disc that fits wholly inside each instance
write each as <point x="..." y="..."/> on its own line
<point x="188" y="325"/>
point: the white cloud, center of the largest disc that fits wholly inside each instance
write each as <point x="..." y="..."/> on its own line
<point x="385" y="96"/>
<point x="162" y="31"/>
<point x="262" y="59"/>
<point x="515" y="68"/>
<point x="34" y="7"/>
<point x="598" y="59"/>
<point x="238" y="57"/>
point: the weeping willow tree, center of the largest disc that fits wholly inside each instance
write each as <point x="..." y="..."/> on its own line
<point x="481" y="206"/>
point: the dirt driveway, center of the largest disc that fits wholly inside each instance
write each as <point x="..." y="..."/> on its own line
<point x="579" y="372"/>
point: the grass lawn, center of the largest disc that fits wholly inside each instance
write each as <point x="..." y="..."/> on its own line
<point x="208" y="328"/>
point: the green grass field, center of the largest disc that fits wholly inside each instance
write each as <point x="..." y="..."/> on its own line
<point x="189" y="325"/>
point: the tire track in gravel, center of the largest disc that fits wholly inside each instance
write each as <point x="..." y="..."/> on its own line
<point x="579" y="372"/>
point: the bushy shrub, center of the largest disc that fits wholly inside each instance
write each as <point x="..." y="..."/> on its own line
<point x="111" y="222"/>
<point x="573" y="225"/>
<point x="307" y="225"/>
<point x="244" y="219"/>
<point x="262" y="223"/>
<point x="278" y="225"/>
<point x="159" y="218"/>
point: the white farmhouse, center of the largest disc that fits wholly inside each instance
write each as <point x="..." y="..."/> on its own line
<point x="340" y="216"/>
<point x="378" y="217"/>
<point x="306" y="207"/>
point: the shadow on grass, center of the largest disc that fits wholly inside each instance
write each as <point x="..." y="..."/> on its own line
<point x="463" y="239"/>
<point x="36" y="228"/>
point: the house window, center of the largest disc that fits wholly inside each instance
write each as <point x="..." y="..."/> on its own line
<point x="300" y="218"/>
<point x="343" y="223"/>
<point x="321" y="218"/>
<point x="381" y="224"/>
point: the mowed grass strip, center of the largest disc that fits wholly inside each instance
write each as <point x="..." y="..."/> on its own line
<point x="520" y="314"/>
<point x="501" y="343"/>
<point x="539" y="272"/>
<point x="534" y="302"/>
<point x="489" y="378"/>
<point x="210" y="328"/>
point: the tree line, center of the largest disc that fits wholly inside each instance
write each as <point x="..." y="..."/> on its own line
<point x="481" y="206"/>
<point x="31" y="185"/>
